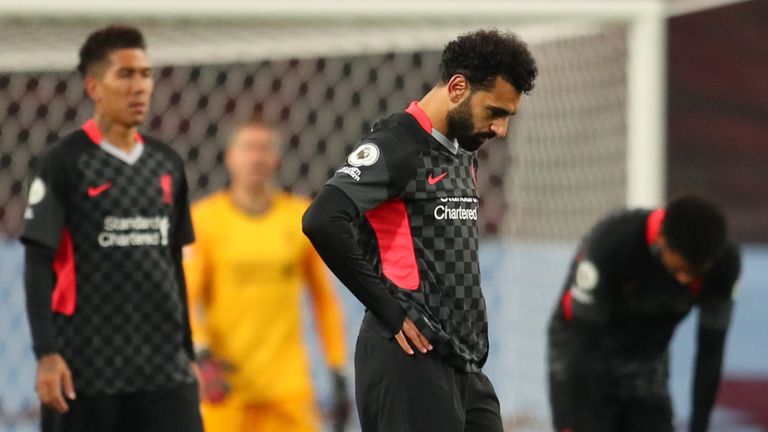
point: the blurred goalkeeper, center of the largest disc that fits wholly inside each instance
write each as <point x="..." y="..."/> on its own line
<point x="636" y="275"/>
<point x="246" y="273"/>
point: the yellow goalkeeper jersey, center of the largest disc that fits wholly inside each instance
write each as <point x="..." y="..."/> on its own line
<point x="245" y="278"/>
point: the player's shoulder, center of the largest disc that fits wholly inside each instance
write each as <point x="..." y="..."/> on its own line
<point x="292" y="201"/>
<point x="617" y="239"/>
<point x="620" y="227"/>
<point x="288" y="206"/>
<point x="396" y="135"/>
<point x="68" y="147"/>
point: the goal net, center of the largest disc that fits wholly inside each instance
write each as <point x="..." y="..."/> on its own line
<point x="324" y="76"/>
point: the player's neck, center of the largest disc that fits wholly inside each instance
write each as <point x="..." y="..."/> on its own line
<point x="251" y="200"/>
<point x="116" y="134"/>
<point x="434" y="107"/>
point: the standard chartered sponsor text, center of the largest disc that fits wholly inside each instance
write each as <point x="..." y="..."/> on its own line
<point x="115" y="223"/>
<point x="459" y="199"/>
<point x="443" y="212"/>
<point x="134" y="231"/>
<point x="447" y="212"/>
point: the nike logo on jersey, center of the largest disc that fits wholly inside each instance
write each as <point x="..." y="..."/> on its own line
<point x="94" y="191"/>
<point x="433" y="180"/>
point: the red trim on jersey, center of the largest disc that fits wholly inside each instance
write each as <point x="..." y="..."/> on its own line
<point x="65" y="291"/>
<point x="695" y="286"/>
<point x="415" y="110"/>
<point x="653" y="225"/>
<point x="393" y="231"/>
<point x="94" y="133"/>
<point x="568" y="305"/>
<point x="166" y="183"/>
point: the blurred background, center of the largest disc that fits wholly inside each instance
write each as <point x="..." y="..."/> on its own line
<point x="637" y="100"/>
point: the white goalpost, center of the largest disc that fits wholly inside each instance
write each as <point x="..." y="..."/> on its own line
<point x="242" y="31"/>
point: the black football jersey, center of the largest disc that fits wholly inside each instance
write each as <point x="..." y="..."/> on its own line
<point x="114" y="219"/>
<point x="416" y="192"/>
<point x="618" y="284"/>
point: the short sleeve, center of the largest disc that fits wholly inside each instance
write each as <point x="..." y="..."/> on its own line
<point x="45" y="217"/>
<point x="376" y="171"/>
<point x="593" y="270"/>
<point x="719" y="291"/>
<point x="588" y="290"/>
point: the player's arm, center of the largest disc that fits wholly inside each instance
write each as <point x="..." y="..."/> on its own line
<point x="330" y="320"/>
<point x="191" y="272"/>
<point x="358" y="186"/>
<point x="189" y="346"/>
<point x="54" y="379"/>
<point x="585" y="308"/>
<point x="196" y="263"/>
<point x="210" y="371"/>
<point x="586" y="303"/>
<point x="715" y="310"/>
<point x="328" y="223"/>
<point x="183" y="234"/>
<point x="39" y="280"/>
<point x="44" y="222"/>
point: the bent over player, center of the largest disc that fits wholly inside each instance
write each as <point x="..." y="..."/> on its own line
<point x="108" y="215"/>
<point x="636" y="275"/>
<point x="398" y="225"/>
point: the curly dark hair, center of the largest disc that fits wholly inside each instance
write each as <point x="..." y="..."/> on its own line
<point x="103" y="41"/>
<point x="483" y="55"/>
<point x="695" y="228"/>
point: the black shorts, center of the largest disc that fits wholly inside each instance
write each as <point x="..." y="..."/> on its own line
<point x="398" y="392"/>
<point x="166" y="410"/>
<point x="581" y="405"/>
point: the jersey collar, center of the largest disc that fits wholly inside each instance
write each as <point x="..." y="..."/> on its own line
<point x="653" y="225"/>
<point x="415" y="110"/>
<point x="94" y="134"/>
<point x="129" y="158"/>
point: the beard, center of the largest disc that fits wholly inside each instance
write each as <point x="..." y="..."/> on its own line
<point x="462" y="128"/>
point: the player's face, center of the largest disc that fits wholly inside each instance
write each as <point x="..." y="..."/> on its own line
<point x="483" y="114"/>
<point x="123" y="90"/>
<point x="675" y="263"/>
<point x="252" y="157"/>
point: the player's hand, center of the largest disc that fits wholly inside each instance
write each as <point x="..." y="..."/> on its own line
<point x="214" y="387"/>
<point x="341" y="402"/>
<point x="54" y="382"/>
<point x="413" y="334"/>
